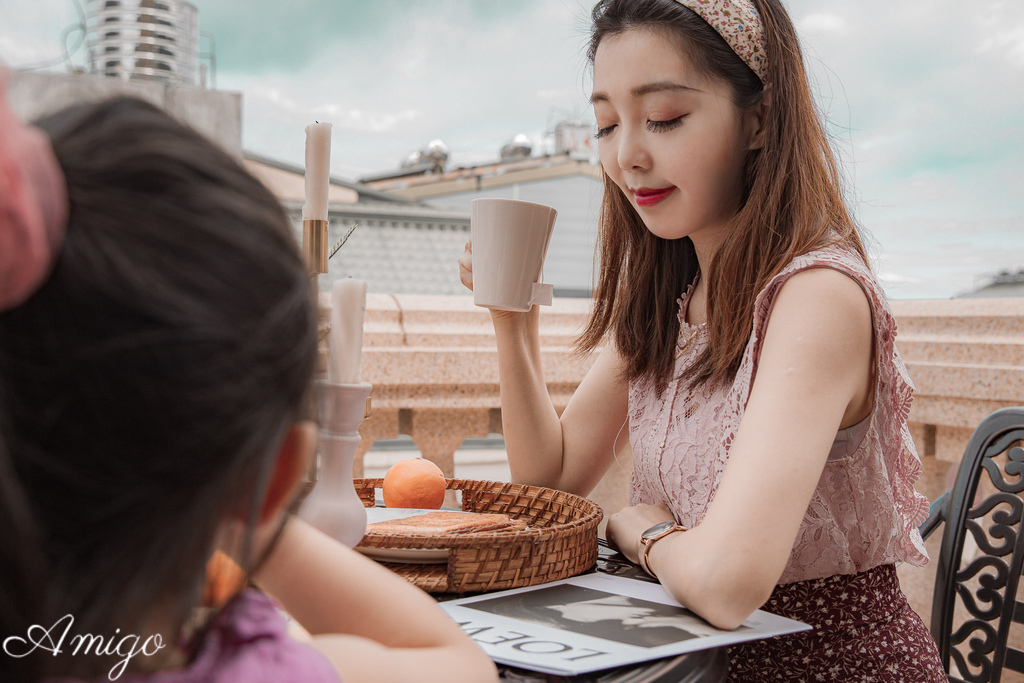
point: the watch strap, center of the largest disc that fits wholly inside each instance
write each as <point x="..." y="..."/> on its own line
<point x="647" y="542"/>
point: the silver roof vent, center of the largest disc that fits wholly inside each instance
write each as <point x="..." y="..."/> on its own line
<point x="519" y="148"/>
<point x="433" y="157"/>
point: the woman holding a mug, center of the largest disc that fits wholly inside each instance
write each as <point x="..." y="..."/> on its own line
<point x="747" y="347"/>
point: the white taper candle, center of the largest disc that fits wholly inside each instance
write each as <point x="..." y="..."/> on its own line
<point x="318" y="171"/>
<point x="348" y="307"/>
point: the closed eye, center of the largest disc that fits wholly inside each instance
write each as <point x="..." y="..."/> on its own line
<point x="665" y="126"/>
<point x="601" y="132"/>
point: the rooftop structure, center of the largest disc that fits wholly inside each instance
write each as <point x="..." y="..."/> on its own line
<point x="519" y="148"/>
<point x="397" y="248"/>
<point x="568" y="181"/>
<point x="287" y="182"/>
<point x="410" y="183"/>
<point x="1004" y="284"/>
<point x="144" y="39"/>
<point x="397" y="245"/>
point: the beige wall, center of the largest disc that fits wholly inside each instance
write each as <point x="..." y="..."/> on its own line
<point x="215" y="113"/>
<point x="288" y="186"/>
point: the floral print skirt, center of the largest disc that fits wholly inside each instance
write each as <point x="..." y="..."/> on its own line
<point x="864" y="630"/>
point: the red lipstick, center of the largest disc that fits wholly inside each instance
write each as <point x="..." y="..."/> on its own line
<point x="646" y="196"/>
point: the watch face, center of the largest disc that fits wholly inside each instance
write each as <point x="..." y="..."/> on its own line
<point x="658" y="528"/>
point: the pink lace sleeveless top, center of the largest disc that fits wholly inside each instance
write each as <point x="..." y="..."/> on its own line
<point x="864" y="511"/>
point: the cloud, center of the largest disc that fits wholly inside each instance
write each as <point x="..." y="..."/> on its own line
<point x="342" y="117"/>
<point x="922" y="98"/>
<point x="1007" y="40"/>
<point x="821" y="22"/>
<point x="445" y="70"/>
<point x="939" y="258"/>
<point x="926" y="119"/>
<point x="270" y="36"/>
<point x="30" y="32"/>
<point x="19" y="51"/>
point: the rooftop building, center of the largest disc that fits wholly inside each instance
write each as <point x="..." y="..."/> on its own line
<point x="397" y="245"/>
<point x="568" y="180"/>
<point x="1003" y="284"/>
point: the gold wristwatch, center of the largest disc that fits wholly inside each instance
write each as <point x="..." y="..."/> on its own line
<point x="648" y="538"/>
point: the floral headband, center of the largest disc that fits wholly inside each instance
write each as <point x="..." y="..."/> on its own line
<point x="738" y="22"/>
<point x="33" y="206"/>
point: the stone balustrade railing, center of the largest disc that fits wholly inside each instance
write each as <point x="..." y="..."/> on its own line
<point x="966" y="358"/>
<point x="433" y="365"/>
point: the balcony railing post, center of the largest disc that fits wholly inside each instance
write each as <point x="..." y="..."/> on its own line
<point x="381" y="424"/>
<point x="438" y="432"/>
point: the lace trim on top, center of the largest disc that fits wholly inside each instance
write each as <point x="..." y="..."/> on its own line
<point x="864" y="511"/>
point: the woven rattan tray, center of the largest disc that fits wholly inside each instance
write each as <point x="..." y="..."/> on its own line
<point x="560" y="540"/>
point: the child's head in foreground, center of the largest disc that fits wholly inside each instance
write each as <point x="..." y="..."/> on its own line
<point x="149" y="371"/>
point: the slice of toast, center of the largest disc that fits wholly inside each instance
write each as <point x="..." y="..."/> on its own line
<point x="441" y="522"/>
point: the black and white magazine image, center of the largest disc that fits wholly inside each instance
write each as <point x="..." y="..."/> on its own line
<point x="617" y="618"/>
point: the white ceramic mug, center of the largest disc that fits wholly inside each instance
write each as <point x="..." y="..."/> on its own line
<point x="510" y="240"/>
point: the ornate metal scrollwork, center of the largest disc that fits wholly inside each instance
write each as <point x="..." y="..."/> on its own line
<point x="990" y="590"/>
<point x="980" y="654"/>
<point x="1004" y="523"/>
<point x="1014" y="467"/>
<point x="980" y="579"/>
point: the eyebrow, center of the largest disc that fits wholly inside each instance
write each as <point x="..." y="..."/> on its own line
<point x="647" y="89"/>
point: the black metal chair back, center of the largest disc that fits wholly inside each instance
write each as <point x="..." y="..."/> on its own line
<point x="979" y="566"/>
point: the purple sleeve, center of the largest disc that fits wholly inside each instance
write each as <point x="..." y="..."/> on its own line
<point x="249" y="642"/>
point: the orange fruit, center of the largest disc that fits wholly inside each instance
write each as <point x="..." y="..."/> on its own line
<point x="414" y="483"/>
<point x="224" y="578"/>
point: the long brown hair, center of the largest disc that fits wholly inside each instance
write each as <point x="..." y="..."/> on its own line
<point x="793" y="204"/>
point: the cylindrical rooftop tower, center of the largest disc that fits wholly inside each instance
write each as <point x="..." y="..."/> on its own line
<point x="144" y="39"/>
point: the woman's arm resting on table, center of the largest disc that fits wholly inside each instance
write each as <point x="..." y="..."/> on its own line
<point x="813" y="377"/>
<point x="371" y="624"/>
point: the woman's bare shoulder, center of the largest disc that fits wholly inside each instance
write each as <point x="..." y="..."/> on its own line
<point x="825" y="292"/>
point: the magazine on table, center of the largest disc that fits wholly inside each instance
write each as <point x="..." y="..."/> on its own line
<point x="595" y="621"/>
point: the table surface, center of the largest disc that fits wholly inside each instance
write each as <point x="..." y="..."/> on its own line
<point x="694" y="667"/>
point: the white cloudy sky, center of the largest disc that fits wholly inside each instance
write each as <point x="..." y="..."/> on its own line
<point x="925" y="99"/>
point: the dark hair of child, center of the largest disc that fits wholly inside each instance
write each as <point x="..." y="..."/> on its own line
<point x="146" y="386"/>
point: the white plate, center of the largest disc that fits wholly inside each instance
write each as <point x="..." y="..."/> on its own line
<point x="406" y="555"/>
<point x="377" y="514"/>
<point x="403" y="555"/>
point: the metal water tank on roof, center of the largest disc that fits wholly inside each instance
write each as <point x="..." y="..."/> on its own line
<point x="575" y="139"/>
<point x="412" y="159"/>
<point x="436" y="152"/>
<point x="520" y="148"/>
<point x="144" y="39"/>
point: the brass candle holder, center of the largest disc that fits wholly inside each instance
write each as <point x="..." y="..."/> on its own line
<point x="314" y="245"/>
<point x="314" y="252"/>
